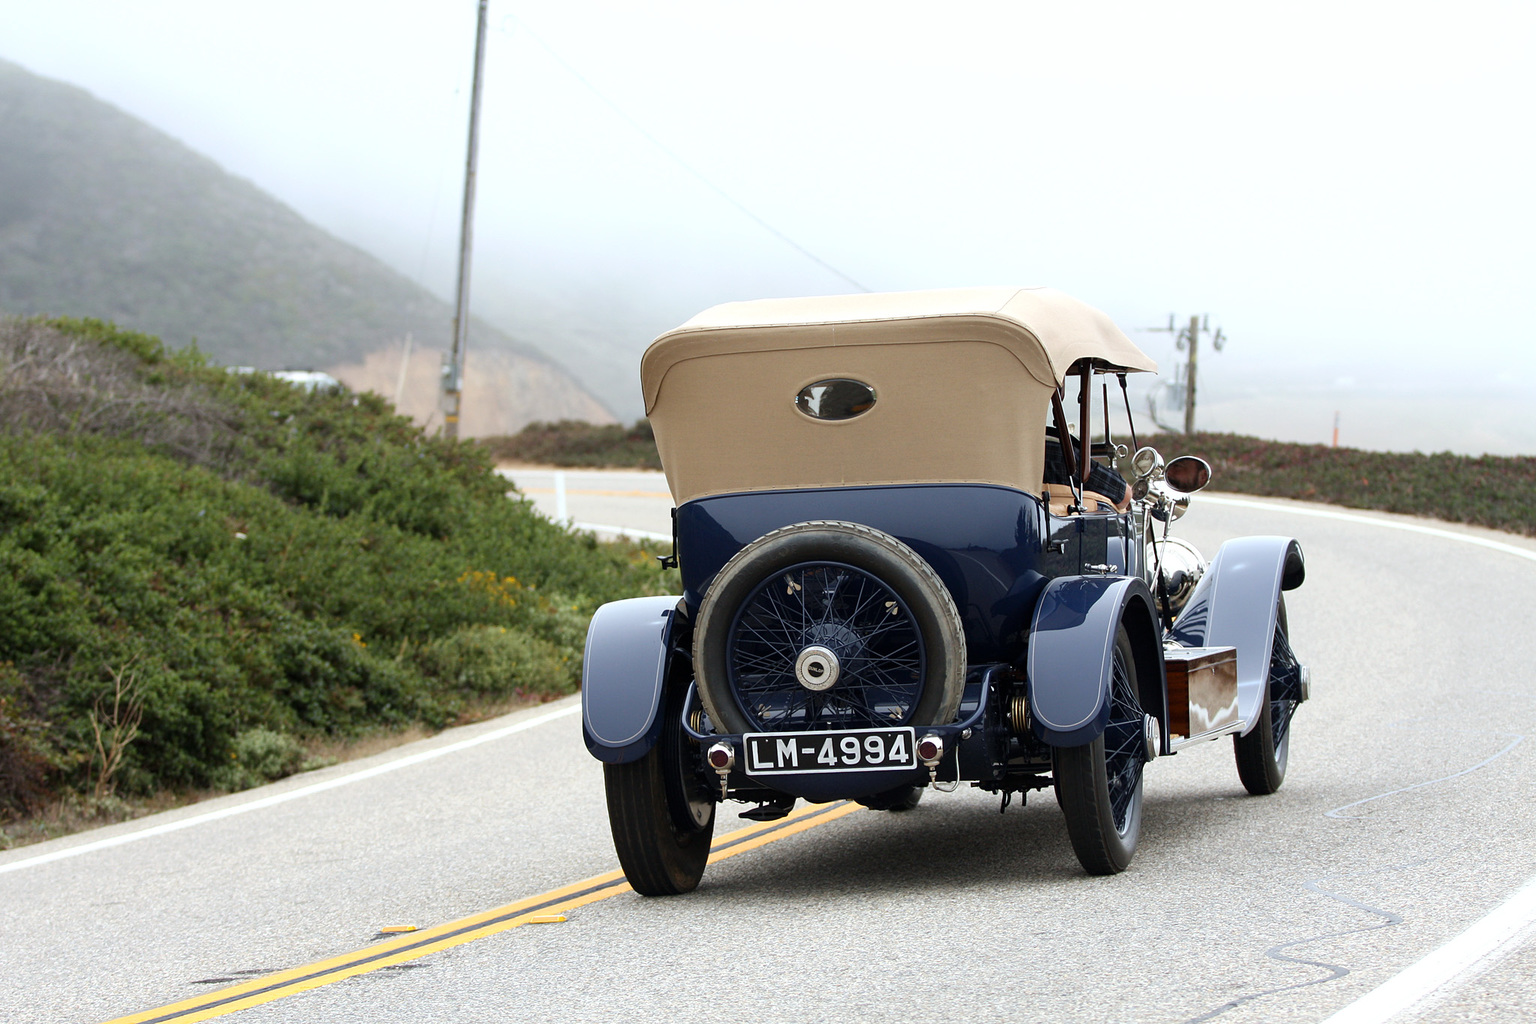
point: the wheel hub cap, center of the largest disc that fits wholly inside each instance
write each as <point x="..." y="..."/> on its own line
<point x="817" y="668"/>
<point x="1152" y="735"/>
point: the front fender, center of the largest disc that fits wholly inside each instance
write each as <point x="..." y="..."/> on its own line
<point x="623" y="676"/>
<point x="1236" y="604"/>
<point x="1071" y="645"/>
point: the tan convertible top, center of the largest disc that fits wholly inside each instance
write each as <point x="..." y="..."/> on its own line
<point x="962" y="379"/>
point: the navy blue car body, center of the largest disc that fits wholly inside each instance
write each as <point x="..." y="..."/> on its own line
<point x="857" y="623"/>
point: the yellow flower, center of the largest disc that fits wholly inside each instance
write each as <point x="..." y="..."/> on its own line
<point x="488" y="582"/>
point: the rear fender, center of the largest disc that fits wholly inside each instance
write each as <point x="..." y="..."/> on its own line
<point x="1236" y="603"/>
<point x="1071" y="646"/>
<point x="623" y="676"/>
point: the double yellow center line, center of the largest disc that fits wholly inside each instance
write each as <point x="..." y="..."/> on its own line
<point x="415" y="945"/>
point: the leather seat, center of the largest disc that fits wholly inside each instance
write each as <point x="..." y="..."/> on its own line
<point x="1059" y="498"/>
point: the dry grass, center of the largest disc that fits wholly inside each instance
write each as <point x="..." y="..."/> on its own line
<point x="76" y="813"/>
<point x="55" y="383"/>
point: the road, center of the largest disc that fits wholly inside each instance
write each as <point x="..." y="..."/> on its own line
<point x="1407" y="816"/>
<point x="606" y="500"/>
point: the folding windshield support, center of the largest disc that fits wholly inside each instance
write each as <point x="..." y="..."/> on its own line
<point x="1085" y="430"/>
<point x="1129" y="419"/>
<point x="1064" y="435"/>
<point x="1109" y="440"/>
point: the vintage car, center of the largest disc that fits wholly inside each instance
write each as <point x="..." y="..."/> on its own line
<point x="906" y="566"/>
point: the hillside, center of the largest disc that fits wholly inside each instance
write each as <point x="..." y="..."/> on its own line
<point x="202" y="573"/>
<point x="102" y="215"/>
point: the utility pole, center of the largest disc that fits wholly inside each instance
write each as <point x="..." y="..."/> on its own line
<point x="453" y="366"/>
<point x="1192" y="332"/>
<point x="1189" y="338"/>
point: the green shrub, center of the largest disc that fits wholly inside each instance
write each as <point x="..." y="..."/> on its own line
<point x="260" y="755"/>
<point x="494" y="661"/>
<point x="323" y="570"/>
<point x="1497" y="491"/>
<point x="577" y="443"/>
<point x="25" y="764"/>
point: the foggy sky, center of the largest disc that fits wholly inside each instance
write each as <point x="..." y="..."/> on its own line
<point x="1345" y="188"/>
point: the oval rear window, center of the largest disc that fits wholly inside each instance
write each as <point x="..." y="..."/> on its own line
<point x="835" y="399"/>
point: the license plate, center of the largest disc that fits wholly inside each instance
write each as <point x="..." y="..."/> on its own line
<point x="853" y="750"/>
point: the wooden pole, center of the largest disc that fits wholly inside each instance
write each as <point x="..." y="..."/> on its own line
<point x="453" y="373"/>
<point x="1189" y="384"/>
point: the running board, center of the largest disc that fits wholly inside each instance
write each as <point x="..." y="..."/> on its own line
<point x="1178" y="743"/>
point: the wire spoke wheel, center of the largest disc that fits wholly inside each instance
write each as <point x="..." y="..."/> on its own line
<point x="1124" y="744"/>
<point x="828" y="625"/>
<point x="1099" y="784"/>
<point x="871" y="634"/>
<point x="1263" y="754"/>
<point x="1284" y="692"/>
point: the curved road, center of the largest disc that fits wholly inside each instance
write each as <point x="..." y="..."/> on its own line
<point x="1407" y="816"/>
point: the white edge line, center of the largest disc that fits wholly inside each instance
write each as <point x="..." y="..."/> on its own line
<point x="292" y="794"/>
<point x="622" y="531"/>
<point x="1492" y="937"/>
<point x="1469" y="953"/>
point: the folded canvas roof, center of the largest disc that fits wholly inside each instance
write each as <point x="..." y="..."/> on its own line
<point x="962" y="379"/>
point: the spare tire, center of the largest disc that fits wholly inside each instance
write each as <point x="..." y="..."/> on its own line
<point x="828" y="625"/>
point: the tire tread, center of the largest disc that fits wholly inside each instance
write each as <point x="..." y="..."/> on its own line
<point x="655" y="860"/>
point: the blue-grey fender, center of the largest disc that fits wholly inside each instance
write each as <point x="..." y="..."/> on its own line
<point x="1236" y="603"/>
<point x="1071" y="649"/>
<point x="624" y="675"/>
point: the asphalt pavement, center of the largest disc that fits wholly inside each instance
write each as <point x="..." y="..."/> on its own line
<point x="1407" y="815"/>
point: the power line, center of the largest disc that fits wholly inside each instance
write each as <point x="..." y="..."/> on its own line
<point x="685" y="165"/>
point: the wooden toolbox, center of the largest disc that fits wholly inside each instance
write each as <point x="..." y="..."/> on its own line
<point x="1202" y="692"/>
